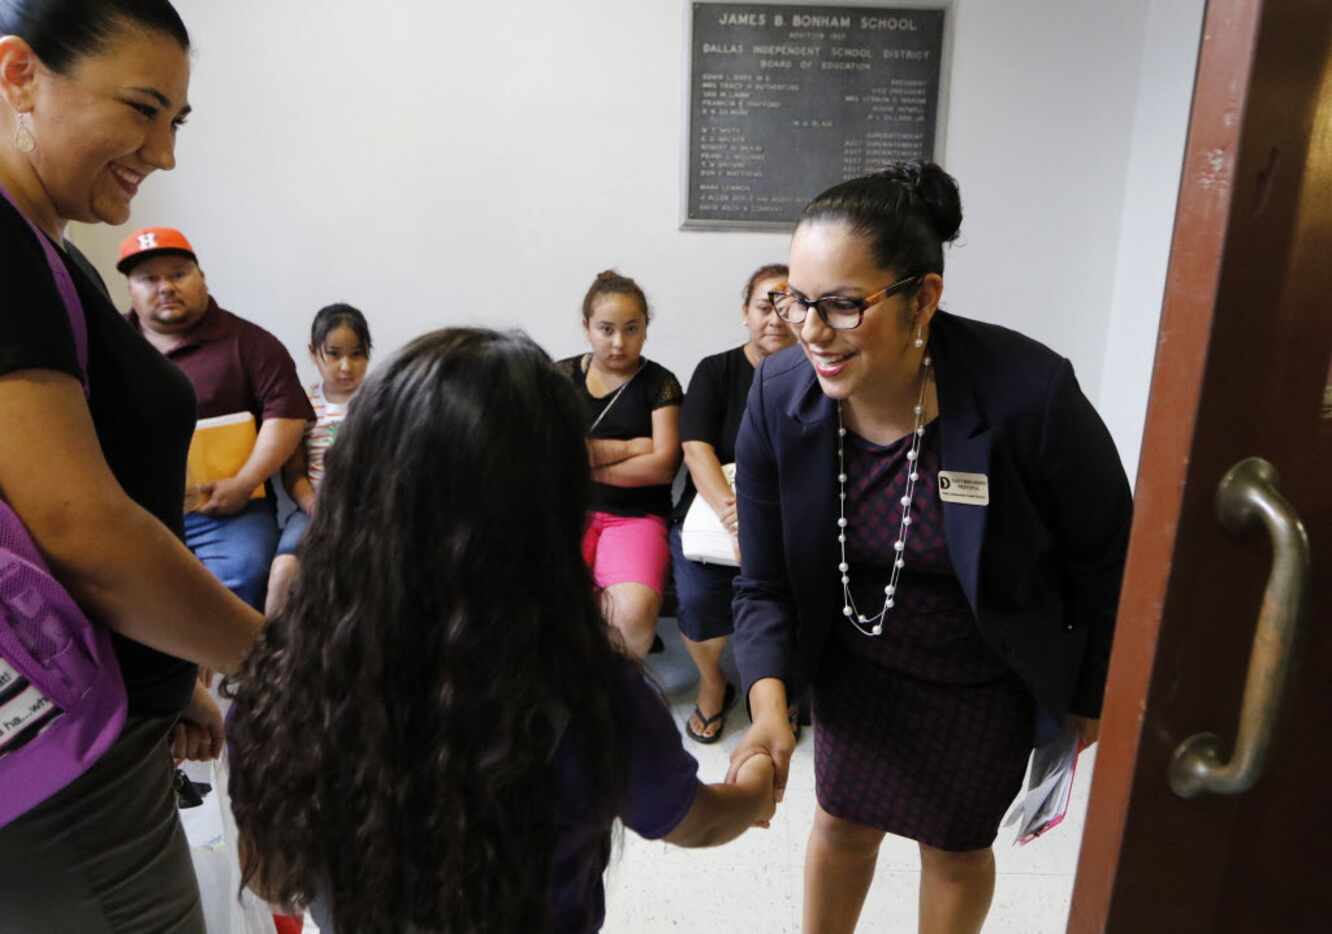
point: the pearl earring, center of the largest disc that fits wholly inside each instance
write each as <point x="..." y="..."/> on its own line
<point x="919" y="341"/>
<point x="23" y="138"/>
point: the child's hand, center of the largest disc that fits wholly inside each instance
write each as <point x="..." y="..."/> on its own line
<point x="757" y="774"/>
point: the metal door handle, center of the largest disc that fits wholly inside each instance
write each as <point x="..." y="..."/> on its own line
<point x="1248" y="497"/>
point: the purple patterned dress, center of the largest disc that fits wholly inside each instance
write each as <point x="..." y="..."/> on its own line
<point x="922" y="731"/>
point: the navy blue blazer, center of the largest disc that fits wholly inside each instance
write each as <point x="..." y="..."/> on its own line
<point x="1041" y="564"/>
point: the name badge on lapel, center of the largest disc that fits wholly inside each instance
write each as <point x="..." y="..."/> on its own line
<point x="967" y="489"/>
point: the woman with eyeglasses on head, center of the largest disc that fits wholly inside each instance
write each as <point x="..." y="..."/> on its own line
<point x="709" y="422"/>
<point x="94" y="429"/>
<point x="933" y="526"/>
<point x="633" y="416"/>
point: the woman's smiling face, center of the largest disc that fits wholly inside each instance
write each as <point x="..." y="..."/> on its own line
<point x="830" y="258"/>
<point x="104" y="126"/>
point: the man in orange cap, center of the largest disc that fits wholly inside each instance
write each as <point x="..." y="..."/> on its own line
<point x="244" y="380"/>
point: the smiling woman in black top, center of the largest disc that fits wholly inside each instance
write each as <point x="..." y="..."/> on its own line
<point x="91" y="96"/>
<point x="633" y="413"/>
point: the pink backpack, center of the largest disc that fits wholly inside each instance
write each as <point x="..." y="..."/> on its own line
<point x="62" y="698"/>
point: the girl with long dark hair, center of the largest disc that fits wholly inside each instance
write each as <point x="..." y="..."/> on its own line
<point x="467" y="729"/>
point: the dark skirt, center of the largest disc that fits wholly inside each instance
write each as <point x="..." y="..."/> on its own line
<point x="937" y="763"/>
<point x="923" y="731"/>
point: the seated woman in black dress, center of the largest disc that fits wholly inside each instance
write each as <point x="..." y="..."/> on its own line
<point x="709" y="423"/>
<point x="933" y="525"/>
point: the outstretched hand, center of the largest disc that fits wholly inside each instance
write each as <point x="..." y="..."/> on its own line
<point x="757" y="773"/>
<point x="772" y="737"/>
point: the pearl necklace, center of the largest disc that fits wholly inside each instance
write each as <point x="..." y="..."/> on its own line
<point x="873" y="625"/>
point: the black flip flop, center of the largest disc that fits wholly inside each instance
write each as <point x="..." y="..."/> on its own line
<point x="728" y="701"/>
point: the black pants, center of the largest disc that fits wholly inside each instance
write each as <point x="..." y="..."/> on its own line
<point x="106" y="855"/>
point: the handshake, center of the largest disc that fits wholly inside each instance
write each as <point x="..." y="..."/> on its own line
<point x="759" y="765"/>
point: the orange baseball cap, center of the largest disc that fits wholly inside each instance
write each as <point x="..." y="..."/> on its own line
<point x="149" y="241"/>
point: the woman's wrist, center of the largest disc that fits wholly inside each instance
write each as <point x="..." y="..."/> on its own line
<point x="201" y="701"/>
<point x="767" y="701"/>
<point x="718" y="501"/>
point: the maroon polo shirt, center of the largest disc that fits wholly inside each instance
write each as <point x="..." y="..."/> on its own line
<point x="237" y="366"/>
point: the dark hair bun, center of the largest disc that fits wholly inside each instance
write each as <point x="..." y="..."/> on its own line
<point x="940" y="193"/>
<point x="907" y="211"/>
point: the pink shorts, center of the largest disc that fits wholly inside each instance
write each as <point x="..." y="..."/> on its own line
<point x="627" y="550"/>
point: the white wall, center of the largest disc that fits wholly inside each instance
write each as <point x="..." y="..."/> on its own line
<point x="1160" y="125"/>
<point x="348" y="151"/>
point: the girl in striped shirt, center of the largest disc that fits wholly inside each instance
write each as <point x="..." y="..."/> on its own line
<point x="340" y="348"/>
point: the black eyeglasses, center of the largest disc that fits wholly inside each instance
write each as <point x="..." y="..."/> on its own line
<point x="837" y="311"/>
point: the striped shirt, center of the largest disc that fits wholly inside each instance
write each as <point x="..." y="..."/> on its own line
<point x="322" y="432"/>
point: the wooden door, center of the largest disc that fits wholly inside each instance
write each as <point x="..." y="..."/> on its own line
<point x="1242" y="367"/>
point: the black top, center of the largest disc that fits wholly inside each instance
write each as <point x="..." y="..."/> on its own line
<point x="142" y="409"/>
<point x="654" y="387"/>
<point x="713" y="407"/>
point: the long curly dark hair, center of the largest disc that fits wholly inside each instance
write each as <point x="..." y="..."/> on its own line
<point x="394" y="727"/>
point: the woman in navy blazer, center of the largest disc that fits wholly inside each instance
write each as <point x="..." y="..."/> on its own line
<point x="933" y="523"/>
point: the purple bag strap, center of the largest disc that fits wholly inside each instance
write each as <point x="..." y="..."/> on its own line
<point x="78" y="323"/>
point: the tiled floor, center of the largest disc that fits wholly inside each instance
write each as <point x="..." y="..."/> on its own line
<point x="754" y="884"/>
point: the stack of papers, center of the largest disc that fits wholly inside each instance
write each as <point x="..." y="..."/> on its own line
<point x="1044" y="802"/>
<point x="703" y="537"/>
<point x="218" y="451"/>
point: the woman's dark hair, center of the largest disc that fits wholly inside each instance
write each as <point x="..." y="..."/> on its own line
<point x="907" y="212"/>
<point x="611" y="282"/>
<point x="331" y="317"/>
<point x="63" y="31"/>
<point x="394" y="727"/>
<point x="769" y="271"/>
